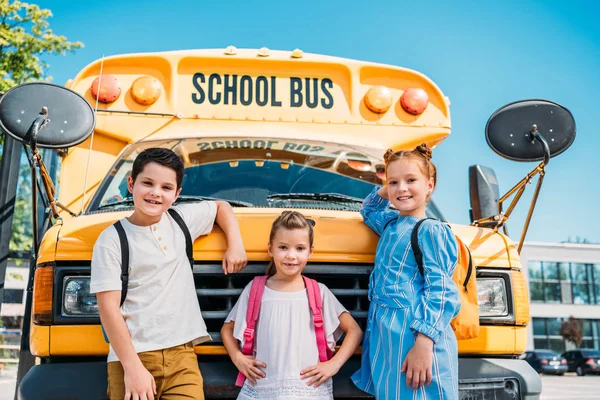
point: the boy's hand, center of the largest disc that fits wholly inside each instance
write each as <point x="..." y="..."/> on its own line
<point x="249" y="366"/>
<point x="234" y="259"/>
<point x="320" y="372"/>
<point x="417" y="364"/>
<point x="139" y="384"/>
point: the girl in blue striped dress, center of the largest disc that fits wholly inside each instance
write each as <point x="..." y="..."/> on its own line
<point x="409" y="349"/>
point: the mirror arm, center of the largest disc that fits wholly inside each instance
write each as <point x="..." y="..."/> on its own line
<point x="34" y="196"/>
<point x="49" y="187"/>
<point x="538" y="186"/>
<point x="519" y="188"/>
<point x="505" y="215"/>
<point x="501" y="218"/>
<point x="38" y="124"/>
<point x="535" y="134"/>
<point x="35" y="161"/>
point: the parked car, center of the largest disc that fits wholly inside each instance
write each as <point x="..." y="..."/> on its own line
<point x="583" y="361"/>
<point x="546" y="361"/>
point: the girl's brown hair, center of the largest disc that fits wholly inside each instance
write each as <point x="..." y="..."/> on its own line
<point x="289" y="220"/>
<point x="421" y="154"/>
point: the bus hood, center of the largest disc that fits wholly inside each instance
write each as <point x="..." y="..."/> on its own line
<point x="340" y="237"/>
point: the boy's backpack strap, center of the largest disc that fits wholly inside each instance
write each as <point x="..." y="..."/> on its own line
<point x="414" y="243"/>
<point x="125" y="249"/>
<point x="124" y="260"/>
<point x="316" y="306"/>
<point x="189" y="244"/>
<point x="257" y="289"/>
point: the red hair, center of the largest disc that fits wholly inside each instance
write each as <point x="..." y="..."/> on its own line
<point x="421" y="155"/>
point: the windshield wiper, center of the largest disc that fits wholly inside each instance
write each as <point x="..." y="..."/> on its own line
<point x="128" y="201"/>
<point x="333" y="197"/>
<point x="234" y="203"/>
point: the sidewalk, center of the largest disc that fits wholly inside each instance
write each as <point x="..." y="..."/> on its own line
<point x="8" y="381"/>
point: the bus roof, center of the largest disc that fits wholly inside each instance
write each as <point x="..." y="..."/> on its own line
<point x="265" y="86"/>
<point x="220" y="93"/>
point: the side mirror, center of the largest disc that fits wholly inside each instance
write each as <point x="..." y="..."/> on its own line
<point x="526" y="130"/>
<point x="44" y="115"/>
<point x="518" y="130"/>
<point x="485" y="193"/>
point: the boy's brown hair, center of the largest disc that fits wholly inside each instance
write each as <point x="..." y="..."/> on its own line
<point x="162" y="156"/>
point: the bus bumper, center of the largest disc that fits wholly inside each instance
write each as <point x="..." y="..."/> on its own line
<point x="497" y="378"/>
<point x="479" y="378"/>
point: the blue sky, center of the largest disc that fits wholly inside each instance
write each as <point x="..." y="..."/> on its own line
<point x="481" y="54"/>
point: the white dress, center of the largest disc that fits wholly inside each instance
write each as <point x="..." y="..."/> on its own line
<point x="285" y="340"/>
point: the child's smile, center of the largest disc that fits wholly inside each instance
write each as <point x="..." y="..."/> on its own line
<point x="290" y="250"/>
<point x="408" y="187"/>
<point x="154" y="191"/>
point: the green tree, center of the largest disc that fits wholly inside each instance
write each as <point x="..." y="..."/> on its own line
<point x="25" y="36"/>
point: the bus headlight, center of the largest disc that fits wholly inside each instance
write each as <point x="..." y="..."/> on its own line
<point x="493" y="301"/>
<point x="77" y="299"/>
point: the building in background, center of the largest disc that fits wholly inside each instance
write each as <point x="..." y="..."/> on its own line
<point x="564" y="281"/>
<point x="13" y="304"/>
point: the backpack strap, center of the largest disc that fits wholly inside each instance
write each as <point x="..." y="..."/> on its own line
<point x="414" y="243"/>
<point x="189" y="246"/>
<point x="124" y="260"/>
<point x="256" y="293"/>
<point x="470" y="270"/>
<point x="316" y="306"/>
<point x="125" y="249"/>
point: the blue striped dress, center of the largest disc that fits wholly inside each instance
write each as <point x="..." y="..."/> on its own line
<point x="403" y="303"/>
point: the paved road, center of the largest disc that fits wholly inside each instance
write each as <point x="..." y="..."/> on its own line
<point x="569" y="386"/>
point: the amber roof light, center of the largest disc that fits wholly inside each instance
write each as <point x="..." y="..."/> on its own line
<point x="378" y="99"/>
<point x="146" y="90"/>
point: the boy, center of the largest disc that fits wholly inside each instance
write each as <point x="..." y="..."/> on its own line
<point x="153" y="333"/>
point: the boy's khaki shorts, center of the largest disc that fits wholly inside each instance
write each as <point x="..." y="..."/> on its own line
<point x="175" y="371"/>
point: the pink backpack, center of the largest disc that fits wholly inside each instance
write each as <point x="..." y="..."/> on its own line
<point x="316" y="306"/>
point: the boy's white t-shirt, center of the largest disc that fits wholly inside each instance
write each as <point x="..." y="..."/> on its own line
<point x="161" y="309"/>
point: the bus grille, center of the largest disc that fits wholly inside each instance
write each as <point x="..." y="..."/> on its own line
<point x="217" y="292"/>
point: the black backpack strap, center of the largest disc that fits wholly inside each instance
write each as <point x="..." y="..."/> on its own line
<point x="469" y="271"/>
<point x="189" y="248"/>
<point x="124" y="260"/>
<point x="414" y="243"/>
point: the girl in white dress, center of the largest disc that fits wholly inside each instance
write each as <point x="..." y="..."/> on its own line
<point x="285" y="364"/>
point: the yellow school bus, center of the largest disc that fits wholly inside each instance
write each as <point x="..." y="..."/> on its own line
<point x="267" y="131"/>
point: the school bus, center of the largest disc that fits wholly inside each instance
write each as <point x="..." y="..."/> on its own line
<point x="265" y="130"/>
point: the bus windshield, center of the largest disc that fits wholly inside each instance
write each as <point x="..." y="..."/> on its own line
<point x="259" y="172"/>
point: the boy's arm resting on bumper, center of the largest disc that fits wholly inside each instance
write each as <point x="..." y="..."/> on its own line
<point x="138" y="380"/>
<point x="235" y="257"/>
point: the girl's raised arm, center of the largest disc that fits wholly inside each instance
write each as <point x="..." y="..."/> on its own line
<point x="375" y="210"/>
